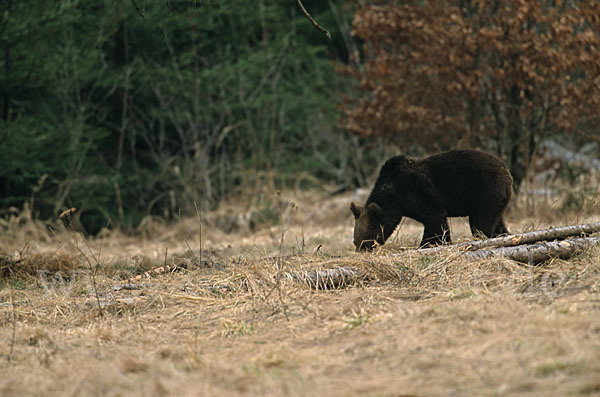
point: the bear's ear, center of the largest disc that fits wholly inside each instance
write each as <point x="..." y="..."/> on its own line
<point x="374" y="211"/>
<point x="356" y="210"/>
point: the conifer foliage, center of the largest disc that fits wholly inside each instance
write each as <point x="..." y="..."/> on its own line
<point x="128" y="109"/>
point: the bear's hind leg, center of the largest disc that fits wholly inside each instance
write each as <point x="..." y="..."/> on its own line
<point x="500" y="229"/>
<point x="435" y="233"/>
<point x="485" y="225"/>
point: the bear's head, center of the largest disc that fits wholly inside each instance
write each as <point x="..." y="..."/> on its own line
<point x="368" y="228"/>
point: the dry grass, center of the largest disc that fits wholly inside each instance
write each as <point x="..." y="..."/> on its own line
<point x="228" y="322"/>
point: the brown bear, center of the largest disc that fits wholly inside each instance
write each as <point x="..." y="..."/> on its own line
<point x="454" y="183"/>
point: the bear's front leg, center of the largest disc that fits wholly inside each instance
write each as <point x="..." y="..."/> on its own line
<point x="436" y="232"/>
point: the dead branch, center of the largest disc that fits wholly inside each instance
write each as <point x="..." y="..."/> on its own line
<point x="536" y="253"/>
<point x="340" y="277"/>
<point x="519" y="239"/>
<point x="138" y="9"/>
<point x="312" y="20"/>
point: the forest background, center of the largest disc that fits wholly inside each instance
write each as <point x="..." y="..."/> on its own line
<point x="129" y="109"/>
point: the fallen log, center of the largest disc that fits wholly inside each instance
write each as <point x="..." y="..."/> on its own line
<point x="518" y="239"/>
<point x="536" y="253"/>
<point x="340" y="277"/>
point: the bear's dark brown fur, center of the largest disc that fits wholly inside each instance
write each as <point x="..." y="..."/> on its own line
<point x="454" y="183"/>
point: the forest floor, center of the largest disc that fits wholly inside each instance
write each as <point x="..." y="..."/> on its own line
<point x="227" y="322"/>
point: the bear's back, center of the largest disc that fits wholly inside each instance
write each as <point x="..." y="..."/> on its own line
<point x="469" y="179"/>
<point x="461" y="180"/>
<point x="465" y="164"/>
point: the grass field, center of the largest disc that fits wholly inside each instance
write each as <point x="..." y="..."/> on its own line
<point x="227" y="321"/>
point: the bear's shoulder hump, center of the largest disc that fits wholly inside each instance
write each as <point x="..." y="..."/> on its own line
<point x="396" y="164"/>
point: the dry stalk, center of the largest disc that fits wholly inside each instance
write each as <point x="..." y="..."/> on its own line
<point x="192" y="252"/>
<point x="279" y="261"/>
<point x="199" y="216"/>
<point x="440" y="266"/>
<point x="69" y="215"/>
<point x="93" y="270"/>
<point x="14" y="326"/>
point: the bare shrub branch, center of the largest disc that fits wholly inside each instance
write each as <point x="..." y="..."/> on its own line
<point x="312" y="20"/>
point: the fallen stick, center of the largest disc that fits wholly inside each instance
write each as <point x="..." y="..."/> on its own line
<point x="519" y="239"/>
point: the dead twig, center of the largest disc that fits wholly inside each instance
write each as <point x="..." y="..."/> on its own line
<point x="312" y="20"/>
<point x="14" y="326"/>
<point x="137" y="8"/>
<point x="94" y="269"/>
